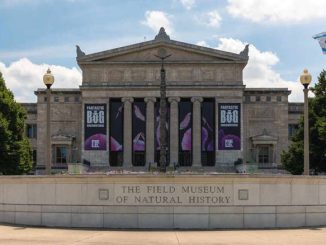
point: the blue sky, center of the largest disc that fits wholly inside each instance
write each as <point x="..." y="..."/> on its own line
<point x="36" y="34"/>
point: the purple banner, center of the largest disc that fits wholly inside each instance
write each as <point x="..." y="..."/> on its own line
<point x="185" y="126"/>
<point x="95" y="127"/>
<point x="207" y="126"/>
<point x="139" y="126"/>
<point x="116" y="126"/>
<point x="229" y="126"/>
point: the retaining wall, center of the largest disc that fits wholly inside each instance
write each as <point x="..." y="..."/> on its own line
<point x="164" y="202"/>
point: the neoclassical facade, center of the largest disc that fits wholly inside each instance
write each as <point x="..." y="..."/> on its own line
<point x="112" y="119"/>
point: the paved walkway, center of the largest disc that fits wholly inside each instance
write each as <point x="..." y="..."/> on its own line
<point x="10" y="235"/>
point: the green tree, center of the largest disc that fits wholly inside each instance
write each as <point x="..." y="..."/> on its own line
<point x="293" y="158"/>
<point x="15" y="150"/>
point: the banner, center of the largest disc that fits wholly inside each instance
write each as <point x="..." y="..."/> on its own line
<point x="185" y="126"/>
<point x="229" y="126"/>
<point x="139" y="126"/>
<point x="95" y="127"/>
<point x="208" y="126"/>
<point x="116" y="126"/>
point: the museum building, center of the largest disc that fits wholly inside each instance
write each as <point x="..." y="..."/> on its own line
<point x="112" y="119"/>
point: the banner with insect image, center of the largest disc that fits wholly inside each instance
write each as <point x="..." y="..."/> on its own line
<point x="95" y="127"/>
<point x="116" y="126"/>
<point x="229" y="126"/>
<point x="139" y="126"/>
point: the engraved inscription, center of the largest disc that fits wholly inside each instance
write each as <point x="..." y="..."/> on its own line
<point x="177" y="194"/>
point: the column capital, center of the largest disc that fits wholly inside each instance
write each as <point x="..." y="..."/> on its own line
<point x="196" y="99"/>
<point x="174" y="99"/>
<point x="127" y="99"/>
<point x="150" y="99"/>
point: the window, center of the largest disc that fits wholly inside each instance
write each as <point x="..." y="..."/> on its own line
<point x="76" y="98"/>
<point x="45" y="99"/>
<point x="61" y="154"/>
<point x="279" y="98"/>
<point x="263" y="156"/>
<point x="66" y="99"/>
<point x="257" y="98"/>
<point x="56" y="99"/>
<point x="268" y="98"/>
<point x="31" y="131"/>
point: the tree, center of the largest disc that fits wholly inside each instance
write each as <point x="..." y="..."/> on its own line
<point x="15" y="150"/>
<point x="293" y="158"/>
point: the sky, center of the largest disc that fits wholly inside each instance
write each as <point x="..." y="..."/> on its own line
<point x="37" y="34"/>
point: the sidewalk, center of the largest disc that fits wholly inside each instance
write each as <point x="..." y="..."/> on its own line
<point x="12" y="235"/>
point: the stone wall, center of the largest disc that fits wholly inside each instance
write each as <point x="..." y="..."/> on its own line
<point x="266" y="112"/>
<point x="191" y="201"/>
<point x="65" y="119"/>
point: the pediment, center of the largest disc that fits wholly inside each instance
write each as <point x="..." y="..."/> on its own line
<point x="146" y="51"/>
<point x="264" y="138"/>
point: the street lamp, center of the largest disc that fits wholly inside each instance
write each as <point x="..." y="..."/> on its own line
<point x="48" y="80"/>
<point x="162" y="55"/>
<point x="305" y="79"/>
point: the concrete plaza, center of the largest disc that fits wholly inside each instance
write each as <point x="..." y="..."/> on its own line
<point x="17" y="235"/>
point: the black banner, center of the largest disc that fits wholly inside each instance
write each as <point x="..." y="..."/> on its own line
<point x="139" y="126"/>
<point x="185" y="126"/>
<point x="116" y="126"/>
<point x="95" y="127"/>
<point x="229" y="126"/>
<point x="208" y="126"/>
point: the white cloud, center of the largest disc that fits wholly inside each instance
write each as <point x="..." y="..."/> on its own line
<point x="24" y="77"/>
<point x="211" y="18"/>
<point x="188" y="4"/>
<point x="157" y="19"/>
<point x="214" y="18"/>
<point x="288" y="11"/>
<point x="259" y="72"/>
<point x="202" y="43"/>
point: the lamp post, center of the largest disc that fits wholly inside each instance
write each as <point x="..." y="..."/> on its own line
<point x="305" y="79"/>
<point x="48" y="80"/>
<point x="162" y="55"/>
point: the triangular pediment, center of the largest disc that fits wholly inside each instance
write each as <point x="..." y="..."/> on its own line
<point x="180" y="52"/>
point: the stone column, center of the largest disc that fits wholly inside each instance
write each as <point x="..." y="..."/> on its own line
<point x="174" y="129"/>
<point x="150" y="130"/>
<point x="127" y="131"/>
<point x="196" y="131"/>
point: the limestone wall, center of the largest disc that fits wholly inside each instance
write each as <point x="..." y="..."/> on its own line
<point x="147" y="201"/>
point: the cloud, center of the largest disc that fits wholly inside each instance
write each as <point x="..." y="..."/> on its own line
<point x="259" y="72"/>
<point x="188" y="4"/>
<point x="202" y="43"/>
<point x="157" y="19"/>
<point x="211" y="18"/>
<point x="289" y="11"/>
<point x="214" y="19"/>
<point x="24" y="77"/>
